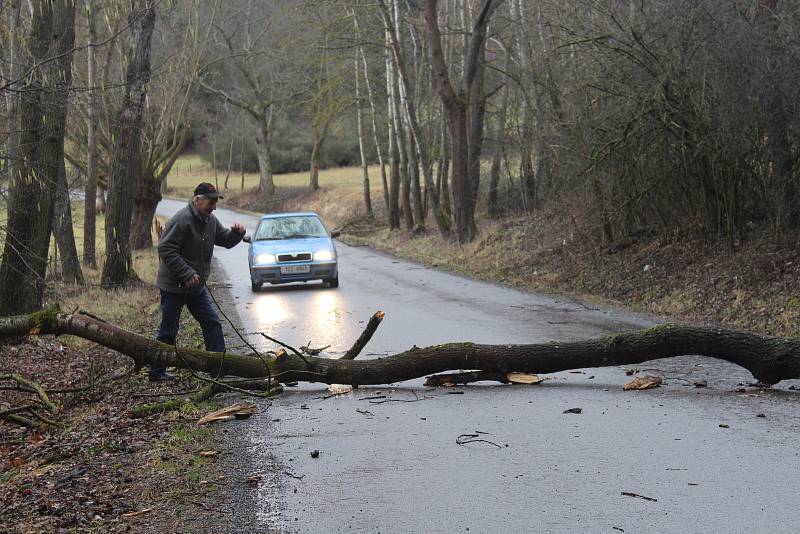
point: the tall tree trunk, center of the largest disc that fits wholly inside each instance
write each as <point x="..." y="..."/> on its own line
<point x="147" y="197"/>
<point x="402" y="153"/>
<point x="443" y="168"/>
<point x="394" y="167"/>
<point x="266" y="184"/>
<point x="126" y="162"/>
<point x="42" y="112"/>
<point x="414" y="138"/>
<point x="12" y="97"/>
<point x="408" y="161"/>
<point x="373" y="113"/>
<point x="360" y="128"/>
<point x="320" y="133"/>
<point x="241" y="153"/>
<point x="148" y="191"/>
<point x="475" y="113"/>
<point x="214" y="162"/>
<point x="526" y="172"/>
<point x="90" y="196"/>
<point x="62" y="228"/>
<point x="465" y="109"/>
<point x="230" y="163"/>
<point x="499" y="143"/>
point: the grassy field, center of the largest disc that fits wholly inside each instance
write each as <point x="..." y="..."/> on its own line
<point x="191" y="169"/>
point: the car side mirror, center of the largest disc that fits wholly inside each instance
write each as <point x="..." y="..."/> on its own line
<point x="335" y="233"/>
<point x="247" y="239"/>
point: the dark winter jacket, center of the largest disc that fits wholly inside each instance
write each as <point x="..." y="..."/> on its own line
<point x="186" y="247"/>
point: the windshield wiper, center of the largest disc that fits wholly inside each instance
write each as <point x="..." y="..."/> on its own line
<point x="269" y="239"/>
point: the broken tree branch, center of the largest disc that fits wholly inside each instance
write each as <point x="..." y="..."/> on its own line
<point x="29" y="386"/>
<point x="769" y="359"/>
<point x="365" y="336"/>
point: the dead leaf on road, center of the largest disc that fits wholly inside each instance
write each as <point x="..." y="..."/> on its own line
<point x="240" y="409"/>
<point x="523" y="378"/>
<point x="340" y="389"/>
<point x="643" y="382"/>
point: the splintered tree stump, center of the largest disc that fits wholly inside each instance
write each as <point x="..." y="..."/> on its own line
<point x="769" y="359"/>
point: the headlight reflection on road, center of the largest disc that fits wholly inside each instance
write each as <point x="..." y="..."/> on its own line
<point x="271" y="310"/>
<point x="324" y="316"/>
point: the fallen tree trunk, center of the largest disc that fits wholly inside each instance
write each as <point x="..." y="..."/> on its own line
<point x="769" y="359"/>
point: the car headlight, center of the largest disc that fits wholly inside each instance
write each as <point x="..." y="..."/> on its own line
<point x="324" y="255"/>
<point x="262" y="259"/>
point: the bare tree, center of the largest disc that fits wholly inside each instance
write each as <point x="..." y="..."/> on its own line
<point x="414" y="129"/>
<point x="42" y="113"/>
<point x="465" y="109"/>
<point x="359" y="120"/>
<point x="126" y="162"/>
<point x="166" y="127"/>
<point x="255" y="71"/>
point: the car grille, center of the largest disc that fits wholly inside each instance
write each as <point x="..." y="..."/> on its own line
<point x="299" y="256"/>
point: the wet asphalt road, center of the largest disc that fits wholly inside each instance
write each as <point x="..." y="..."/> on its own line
<point x="391" y="463"/>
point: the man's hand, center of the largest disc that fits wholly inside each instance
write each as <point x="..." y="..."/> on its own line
<point x="238" y="228"/>
<point x="192" y="282"/>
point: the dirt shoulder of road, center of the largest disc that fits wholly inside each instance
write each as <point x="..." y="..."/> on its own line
<point x="750" y="283"/>
<point x="100" y="470"/>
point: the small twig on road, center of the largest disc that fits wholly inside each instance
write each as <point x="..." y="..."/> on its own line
<point x="298" y="477"/>
<point x="629" y="494"/>
<point x="463" y="439"/>
<point x="365" y="412"/>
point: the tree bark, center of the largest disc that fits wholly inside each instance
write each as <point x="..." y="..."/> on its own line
<point x="769" y="359"/>
<point x="148" y="195"/>
<point x="90" y="197"/>
<point x="126" y="163"/>
<point x="266" y="184"/>
<point x="464" y="107"/>
<point x="499" y="143"/>
<point x="63" y="230"/>
<point x="42" y="114"/>
<point x="393" y="208"/>
<point x="320" y="133"/>
<point x="148" y="191"/>
<point x="360" y="125"/>
<point x="12" y="98"/>
<point x="378" y="145"/>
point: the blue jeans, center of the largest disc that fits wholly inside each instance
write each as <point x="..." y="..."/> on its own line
<point x="202" y="308"/>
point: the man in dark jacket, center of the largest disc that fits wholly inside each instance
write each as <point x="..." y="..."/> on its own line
<point x="185" y="250"/>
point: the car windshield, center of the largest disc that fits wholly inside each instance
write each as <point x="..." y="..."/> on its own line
<point x="295" y="227"/>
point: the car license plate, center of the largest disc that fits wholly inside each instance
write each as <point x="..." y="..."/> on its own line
<point x="295" y="269"/>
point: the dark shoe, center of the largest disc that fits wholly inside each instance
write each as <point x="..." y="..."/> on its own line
<point x="162" y="376"/>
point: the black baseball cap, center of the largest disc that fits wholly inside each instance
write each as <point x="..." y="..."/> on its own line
<point x="207" y="190"/>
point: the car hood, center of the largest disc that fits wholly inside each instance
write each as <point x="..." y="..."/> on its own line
<point x="309" y="244"/>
